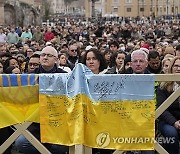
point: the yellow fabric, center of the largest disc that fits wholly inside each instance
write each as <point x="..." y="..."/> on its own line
<point x="121" y="125"/>
<point x="19" y="104"/>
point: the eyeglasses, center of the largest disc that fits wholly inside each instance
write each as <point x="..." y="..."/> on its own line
<point x="48" y="55"/>
<point x="176" y="66"/>
<point x="33" y="64"/>
<point x="74" y="50"/>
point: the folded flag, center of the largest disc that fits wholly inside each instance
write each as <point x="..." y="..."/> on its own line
<point x="100" y="111"/>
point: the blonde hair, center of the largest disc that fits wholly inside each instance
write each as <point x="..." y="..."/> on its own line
<point x="168" y="57"/>
<point x="169" y="85"/>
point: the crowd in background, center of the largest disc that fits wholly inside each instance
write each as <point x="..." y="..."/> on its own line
<point x="105" y="48"/>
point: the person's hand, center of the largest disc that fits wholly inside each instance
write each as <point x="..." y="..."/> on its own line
<point x="177" y="124"/>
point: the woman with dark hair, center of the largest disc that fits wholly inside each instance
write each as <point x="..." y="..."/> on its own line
<point x="12" y="61"/>
<point x="107" y="55"/>
<point x="169" y="120"/>
<point x="95" y="61"/>
<point x="117" y="63"/>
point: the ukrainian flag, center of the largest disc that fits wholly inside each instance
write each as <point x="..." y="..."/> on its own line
<point x="19" y="99"/>
<point x="100" y="111"/>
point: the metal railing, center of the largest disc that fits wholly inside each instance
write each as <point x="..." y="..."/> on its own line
<point x="21" y="129"/>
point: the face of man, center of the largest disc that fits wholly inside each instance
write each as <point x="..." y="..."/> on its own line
<point x="154" y="63"/>
<point x="48" y="59"/>
<point x="113" y="48"/>
<point x="139" y="63"/>
<point x="73" y="50"/>
<point x="29" y="52"/>
<point x="33" y="64"/>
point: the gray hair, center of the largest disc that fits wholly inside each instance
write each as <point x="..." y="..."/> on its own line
<point x="52" y="49"/>
<point x="140" y="52"/>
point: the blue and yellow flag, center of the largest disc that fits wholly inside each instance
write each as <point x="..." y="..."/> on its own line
<point x="19" y="99"/>
<point x="100" y="111"/>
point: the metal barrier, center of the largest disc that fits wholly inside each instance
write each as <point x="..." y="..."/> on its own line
<point x="80" y="149"/>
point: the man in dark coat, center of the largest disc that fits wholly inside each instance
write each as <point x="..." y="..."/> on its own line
<point x="48" y="59"/>
<point x="139" y="63"/>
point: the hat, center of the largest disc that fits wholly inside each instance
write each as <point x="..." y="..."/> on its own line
<point x="145" y="50"/>
<point x="32" y="48"/>
<point x="145" y="46"/>
<point x="88" y="47"/>
<point x="37" y="52"/>
<point x="169" y="50"/>
<point x="165" y="43"/>
<point x="48" y="43"/>
<point x="20" y="55"/>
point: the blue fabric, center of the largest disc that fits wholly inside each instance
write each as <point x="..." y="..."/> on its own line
<point x="14" y="80"/>
<point x="98" y="87"/>
<point x="5" y="81"/>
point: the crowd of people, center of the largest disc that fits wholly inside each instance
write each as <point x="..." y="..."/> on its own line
<point x="107" y="48"/>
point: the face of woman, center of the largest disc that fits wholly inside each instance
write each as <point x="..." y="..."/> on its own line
<point x="92" y="62"/>
<point x="166" y="66"/>
<point x="120" y="60"/>
<point x="16" y="71"/>
<point x="107" y="56"/>
<point x="176" y="67"/>
<point x="62" y="60"/>
<point x="13" y="62"/>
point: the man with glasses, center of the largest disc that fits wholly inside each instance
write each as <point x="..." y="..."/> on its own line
<point x="48" y="59"/>
<point x="33" y="63"/>
<point x="73" y="55"/>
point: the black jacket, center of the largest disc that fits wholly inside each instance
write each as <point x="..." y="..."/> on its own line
<point x="130" y="71"/>
<point x="112" y="70"/>
<point x="55" y="69"/>
<point x="158" y="71"/>
<point x="172" y="114"/>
